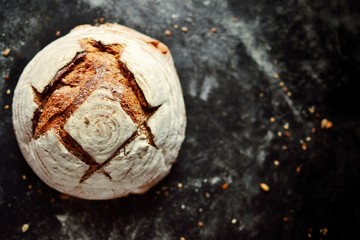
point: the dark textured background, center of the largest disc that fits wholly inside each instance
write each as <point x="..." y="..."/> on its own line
<point x="231" y="91"/>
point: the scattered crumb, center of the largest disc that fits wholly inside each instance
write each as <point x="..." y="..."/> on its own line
<point x="225" y="186"/>
<point x="25" y="227"/>
<point x="101" y="20"/>
<point x="323" y="231"/>
<point x="29" y="186"/>
<point x="7" y="76"/>
<point x="261" y="94"/>
<point x="168" y="33"/>
<point x="308" y="139"/>
<point x="313" y="130"/>
<point x="23" y="177"/>
<point x="264" y="187"/>
<point x="213" y="30"/>
<point x="182" y="238"/>
<point x="207" y="195"/>
<point x="286" y="125"/>
<point x="311" y="109"/>
<point x="279" y="134"/>
<point x="64" y="196"/>
<point x="180" y="185"/>
<point x="184" y="29"/>
<point x="57" y="33"/>
<point x="276" y="76"/>
<point x="176" y="26"/>
<point x="276" y="163"/>
<point x="287" y="134"/>
<point x="8" y="91"/>
<point x="6" y="52"/>
<point x="182" y="206"/>
<point x="272" y="119"/>
<point x="6" y="106"/>
<point x="304" y="146"/>
<point x="201" y="224"/>
<point x="309" y="235"/>
<point x="281" y="84"/>
<point x="298" y="169"/>
<point x="284" y="147"/>
<point x="200" y="209"/>
<point x="289" y="94"/>
<point x="326" y="124"/>
<point x="233" y="221"/>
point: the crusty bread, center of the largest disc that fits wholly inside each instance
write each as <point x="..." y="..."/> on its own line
<point x="99" y="113"/>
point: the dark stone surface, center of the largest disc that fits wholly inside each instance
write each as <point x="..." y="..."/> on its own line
<point x="231" y="93"/>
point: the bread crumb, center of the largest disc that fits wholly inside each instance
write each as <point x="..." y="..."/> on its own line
<point x="286" y="125"/>
<point x="176" y="26"/>
<point x="184" y="29"/>
<point x="64" y="196"/>
<point x="304" y="146"/>
<point x="201" y="224"/>
<point x="276" y="163"/>
<point x="272" y="119"/>
<point x="298" y="169"/>
<point x="168" y="33"/>
<point x="57" y="33"/>
<point x="225" y="186"/>
<point x="6" y="52"/>
<point x="281" y="84"/>
<point x="101" y="20"/>
<point x="276" y="76"/>
<point x="180" y="185"/>
<point x="233" y="221"/>
<point x="326" y="124"/>
<point x="6" y="106"/>
<point x="25" y="227"/>
<point x="23" y="177"/>
<point x="213" y="30"/>
<point x="311" y="109"/>
<point x="8" y="91"/>
<point x="323" y="231"/>
<point x="182" y="238"/>
<point x="264" y="187"/>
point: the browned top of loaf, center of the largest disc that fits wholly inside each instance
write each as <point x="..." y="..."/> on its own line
<point x="96" y="65"/>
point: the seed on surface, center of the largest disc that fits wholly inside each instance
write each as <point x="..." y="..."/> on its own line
<point x="264" y="187"/>
<point x="6" y="52"/>
<point x="25" y="227"/>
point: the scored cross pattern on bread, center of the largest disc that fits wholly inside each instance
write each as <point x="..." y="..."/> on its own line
<point x="98" y="66"/>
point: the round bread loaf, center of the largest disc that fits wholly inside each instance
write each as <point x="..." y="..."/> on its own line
<point x="99" y="113"/>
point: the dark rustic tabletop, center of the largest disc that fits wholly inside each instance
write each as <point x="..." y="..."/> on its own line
<point x="272" y="148"/>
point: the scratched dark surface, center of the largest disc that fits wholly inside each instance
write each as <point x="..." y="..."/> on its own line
<point x="256" y="91"/>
